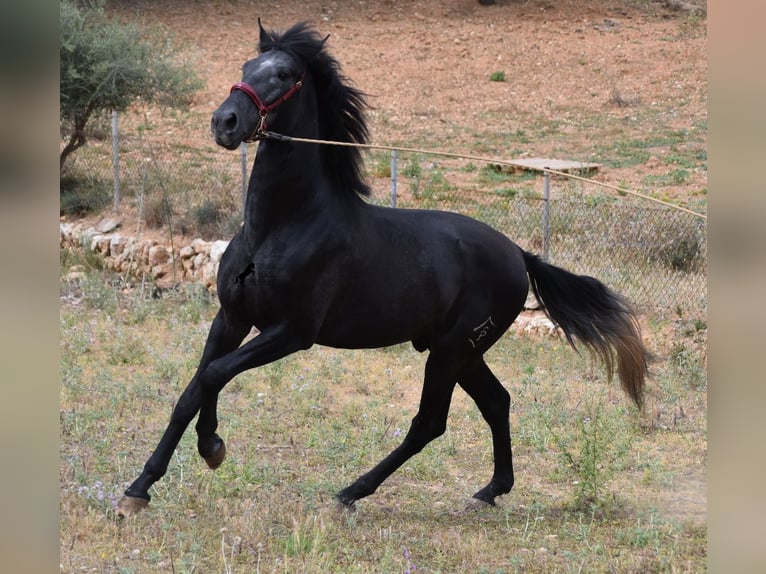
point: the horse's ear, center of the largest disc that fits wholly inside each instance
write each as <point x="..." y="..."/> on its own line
<point x="322" y="43"/>
<point x="266" y="38"/>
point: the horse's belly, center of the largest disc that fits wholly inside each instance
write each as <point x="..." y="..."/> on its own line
<point x="367" y="327"/>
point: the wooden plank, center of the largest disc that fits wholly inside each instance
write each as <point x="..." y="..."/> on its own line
<point x="539" y="163"/>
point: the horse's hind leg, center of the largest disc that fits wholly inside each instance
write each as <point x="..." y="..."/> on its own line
<point x="494" y="402"/>
<point x="222" y="339"/>
<point x="429" y="423"/>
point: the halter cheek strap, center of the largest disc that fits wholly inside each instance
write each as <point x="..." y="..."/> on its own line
<point x="264" y="109"/>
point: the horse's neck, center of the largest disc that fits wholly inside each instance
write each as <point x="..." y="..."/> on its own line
<point x="285" y="186"/>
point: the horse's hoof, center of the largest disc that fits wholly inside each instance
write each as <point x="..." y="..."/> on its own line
<point x="478" y="504"/>
<point x="130" y="505"/>
<point x="345" y="501"/>
<point x="214" y="460"/>
<point x="341" y="509"/>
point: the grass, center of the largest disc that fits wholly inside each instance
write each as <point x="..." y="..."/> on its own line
<point x="300" y="429"/>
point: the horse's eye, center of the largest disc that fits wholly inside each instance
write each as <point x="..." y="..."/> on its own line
<point x="282" y="75"/>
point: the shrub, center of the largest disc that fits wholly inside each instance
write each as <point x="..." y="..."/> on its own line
<point x="106" y="66"/>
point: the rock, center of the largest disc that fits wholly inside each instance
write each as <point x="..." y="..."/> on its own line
<point x="100" y="243"/>
<point x="531" y="303"/>
<point x="86" y="236"/>
<point x="139" y="257"/>
<point x="209" y="271"/>
<point x="67" y="233"/>
<point x="117" y="244"/>
<point x="200" y="246"/>
<point x="75" y="273"/>
<point x="108" y="225"/>
<point x="540" y="326"/>
<point x="217" y="249"/>
<point x="199" y="260"/>
<point x="158" y="254"/>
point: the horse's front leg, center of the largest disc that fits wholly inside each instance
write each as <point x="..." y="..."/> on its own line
<point x="270" y="345"/>
<point x="222" y="338"/>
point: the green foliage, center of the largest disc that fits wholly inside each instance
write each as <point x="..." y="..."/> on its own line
<point x="498" y="76"/>
<point x="593" y="450"/>
<point x="157" y="211"/>
<point x="107" y="66"/>
<point x="381" y="164"/>
<point x="412" y="169"/>
<point x="83" y="195"/>
<point x="208" y="217"/>
<point x="688" y="364"/>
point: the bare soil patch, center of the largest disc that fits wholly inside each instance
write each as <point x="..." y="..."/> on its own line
<point x="580" y="76"/>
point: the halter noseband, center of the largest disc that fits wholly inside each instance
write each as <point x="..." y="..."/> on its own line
<point x="264" y="109"/>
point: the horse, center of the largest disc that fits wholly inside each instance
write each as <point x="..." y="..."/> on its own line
<point x="314" y="263"/>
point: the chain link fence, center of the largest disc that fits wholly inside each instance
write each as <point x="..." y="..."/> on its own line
<point x="654" y="255"/>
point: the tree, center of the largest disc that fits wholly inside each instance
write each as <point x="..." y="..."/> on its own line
<point x="107" y="66"/>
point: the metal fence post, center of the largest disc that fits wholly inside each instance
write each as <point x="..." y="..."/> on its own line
<point x="546" y="214"/>
<point x="393" y="178"/>
<point x="116" y="160"/>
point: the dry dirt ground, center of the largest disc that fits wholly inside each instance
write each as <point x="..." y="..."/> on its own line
<point x="592" y="70"/>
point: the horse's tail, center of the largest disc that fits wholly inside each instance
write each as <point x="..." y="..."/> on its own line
<point x="589" y="311"/>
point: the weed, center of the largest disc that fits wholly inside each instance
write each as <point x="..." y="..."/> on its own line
<point x="381" y="164"/>
<point x="688" y="365"/>
<point x="90" y="260"/>
<point x="498" y="76"/>
<point x="84" y="193"/>
<point x="157" y="211"/>
<point x="617" y="98"/>
<point x="644" y="534"/>
<point x="102" y="497"/>
<point x="306" y="539"/>
<point x="507" y="192"/>
<point x="594" y="451"/>
<point x="493" y="173"/>
<point x="98" y="293"/>
<point x="412" y="169"/>
<point x="409" y="566"/>
<point x="677" y="176"/>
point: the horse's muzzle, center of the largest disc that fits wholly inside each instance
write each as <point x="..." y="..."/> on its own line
<point x="225" y="125"/>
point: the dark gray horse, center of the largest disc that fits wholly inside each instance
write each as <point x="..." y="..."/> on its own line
<point x="314" y="263"/>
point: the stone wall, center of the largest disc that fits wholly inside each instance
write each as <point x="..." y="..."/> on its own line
<point x="197" y="261"/>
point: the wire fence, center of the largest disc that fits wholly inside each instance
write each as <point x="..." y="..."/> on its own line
<point x="654" y="255"/>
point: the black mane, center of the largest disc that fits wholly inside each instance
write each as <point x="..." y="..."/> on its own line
<point x="341" y="106"/>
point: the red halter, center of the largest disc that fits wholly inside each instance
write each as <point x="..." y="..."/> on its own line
<point x="263" y="108"/>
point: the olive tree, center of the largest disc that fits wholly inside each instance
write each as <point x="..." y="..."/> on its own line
<point x="107" y="65"/>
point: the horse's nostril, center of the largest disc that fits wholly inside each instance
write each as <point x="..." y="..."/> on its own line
<point x="231" y="121"/>
<point x="226" y="121"/>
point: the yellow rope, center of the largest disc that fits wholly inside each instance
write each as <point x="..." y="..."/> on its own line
<point x="276" y="136"/>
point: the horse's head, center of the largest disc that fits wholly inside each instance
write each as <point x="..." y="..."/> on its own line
<point x="262" y="98"/>
<point x="295" y="87"/>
